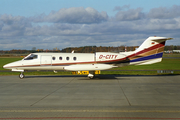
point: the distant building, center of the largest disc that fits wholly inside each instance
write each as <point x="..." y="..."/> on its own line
<point x="172" y="51"/>
<point x="176" y="51"/>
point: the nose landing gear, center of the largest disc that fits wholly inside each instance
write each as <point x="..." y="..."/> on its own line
<point x="21" y="75"/>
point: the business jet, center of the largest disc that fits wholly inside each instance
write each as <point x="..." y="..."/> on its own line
<point x="150" y="51"/>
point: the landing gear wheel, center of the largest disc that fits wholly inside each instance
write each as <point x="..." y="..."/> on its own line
<point x="91" y="76"/>
<point x="21" y="76"/>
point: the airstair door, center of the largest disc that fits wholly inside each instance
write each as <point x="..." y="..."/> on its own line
<point x="46" y="60"/>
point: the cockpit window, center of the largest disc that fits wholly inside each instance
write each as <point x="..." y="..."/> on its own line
<point x="30" y="57"/>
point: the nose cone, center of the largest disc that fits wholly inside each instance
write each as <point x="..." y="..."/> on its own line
<point x="6" y="66"/>
<point x="12" y="65"/>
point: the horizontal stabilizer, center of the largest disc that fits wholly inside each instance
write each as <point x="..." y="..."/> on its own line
<point x="162" y="39"/>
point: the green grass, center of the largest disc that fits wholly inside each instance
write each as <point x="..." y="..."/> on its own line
<point x="171" y="55"/>
<point x="166" y="64"/>
<point x="7" y="60"/>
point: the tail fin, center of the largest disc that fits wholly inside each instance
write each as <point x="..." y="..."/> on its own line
<point x="150" y="51"/>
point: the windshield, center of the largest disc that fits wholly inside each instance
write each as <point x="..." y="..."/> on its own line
<point x="31" y="57"/>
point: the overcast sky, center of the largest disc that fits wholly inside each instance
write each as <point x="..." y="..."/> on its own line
<point x="46" y="24"/>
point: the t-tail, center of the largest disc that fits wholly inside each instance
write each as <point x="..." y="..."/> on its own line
<point x="150" y="51"/>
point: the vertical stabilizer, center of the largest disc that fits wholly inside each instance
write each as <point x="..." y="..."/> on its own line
<point x="150" y="51"/>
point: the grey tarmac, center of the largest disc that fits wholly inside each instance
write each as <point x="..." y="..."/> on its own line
<point x="78" y="97"/>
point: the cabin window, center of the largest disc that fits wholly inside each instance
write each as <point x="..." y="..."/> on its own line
<point x="67" y="58"/>
<point x="74" y="58"/>
<point x="31" y="57"/>
<point x="53" y="58"/>
<point x="60" y="58"/>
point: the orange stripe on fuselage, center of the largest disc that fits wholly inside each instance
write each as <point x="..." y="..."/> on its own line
<point x="155" y="49"/>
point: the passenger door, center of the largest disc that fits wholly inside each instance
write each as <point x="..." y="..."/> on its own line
<point x="46" y="60"/>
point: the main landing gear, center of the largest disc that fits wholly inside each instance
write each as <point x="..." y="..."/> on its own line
<point x="21" y="75"/>
<point x="91" y="75"/>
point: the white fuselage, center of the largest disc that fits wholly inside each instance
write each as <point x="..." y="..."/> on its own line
<point x="66" y="61"/>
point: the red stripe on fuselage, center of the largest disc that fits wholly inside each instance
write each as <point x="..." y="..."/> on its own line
<point x="73" y="63"/>
<point x="148" y="49"/>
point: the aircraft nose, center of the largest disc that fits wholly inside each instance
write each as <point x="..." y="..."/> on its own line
<point x="6" y="66"/>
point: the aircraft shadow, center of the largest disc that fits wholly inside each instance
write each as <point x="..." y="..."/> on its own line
<point x="79" y="76"/>
<point x="96" y="77"/>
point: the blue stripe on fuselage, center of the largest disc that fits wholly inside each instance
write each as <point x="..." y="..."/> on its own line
<point x="159" y="55"/>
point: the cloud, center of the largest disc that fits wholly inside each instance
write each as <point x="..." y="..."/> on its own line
<point x="125" y="13"/>
<point x="77" y="15"/>
<point x="164" y="13"/>
<point x="131" y="14"/>
<point x="74" y="15"/>
<point x="13" y="25"/>
<point x="73" y="27"/>
<point x="9" y="19"/>
<point x="119" y="8"/>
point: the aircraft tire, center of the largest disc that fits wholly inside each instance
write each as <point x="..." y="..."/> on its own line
<point x="21" y="75"/>
<point x="91" y="77"/>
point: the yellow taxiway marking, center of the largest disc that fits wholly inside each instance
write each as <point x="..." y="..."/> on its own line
<point x="155" y="111"/>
